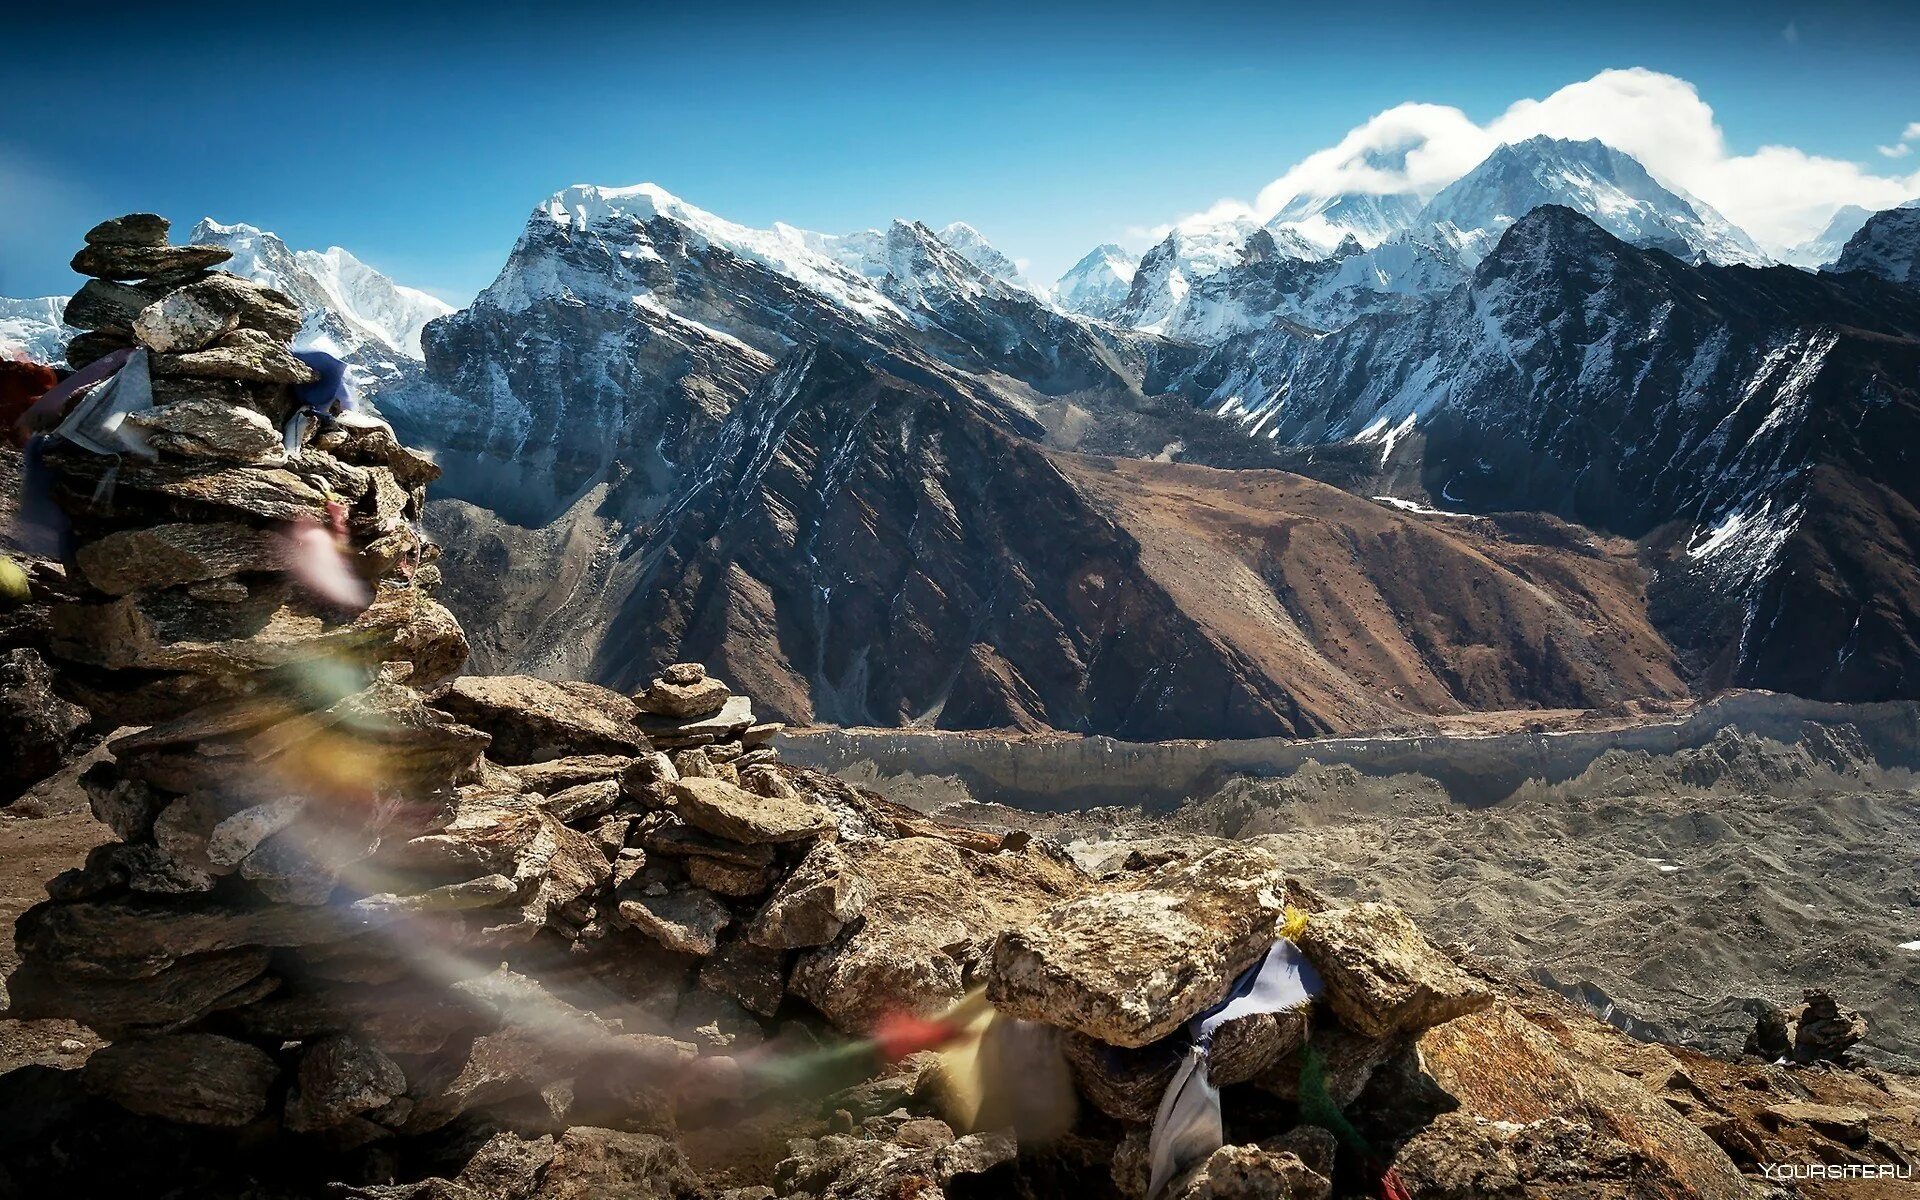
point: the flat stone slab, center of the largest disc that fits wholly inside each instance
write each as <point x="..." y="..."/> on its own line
<point x="730" y="812"/>
<point x="1130" y="963"/>
<point x="1382" y="975"/>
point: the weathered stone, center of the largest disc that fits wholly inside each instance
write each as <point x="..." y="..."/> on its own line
<point x="182" y="992"/>
<point x="237" y="354"/>
<point x="164" y="556"/>
<point x="814" y="903"/>
<point x="191" y="317"/>
<point x="197" y="1078"/>
<point x="484" y="892"/>
<point x="399" y="1018"/>
<point x="375" y="445"/>
<point x="42" y="729"/>
<point x="584" y="801"/>
<point x="180" y="322"/>
<point x="133" y="229"/>
<point x="753" y="975"/>
<point x="209" y="429"/>
<point x="100" y="304"/>
<point x="1132" y="962"/>
<point x="1823" y="1030"/>
<point x="269" y="493"/>
<point x="533" y="720"/>
<point x="129" y="260"/>
<point x="733" y="717"/>
<point x="240" y="834"/>
<point x="932" y="902"/>
<point x="605" y="1164"/>
<point x="728" y="879"/>
<point x="701" y="698"/>
<point x="340" y="1076"/>
<point x="666" y="835"/>
<point x="560" y="773"/>
<point x="727" y="811"/>
<point x="684" y="674"/>
<point x="687" y="921"/>
<point x="696" y="763"/>
<point x="303" y="862"/>
<point x="1252" y="1173"/>
<point x="86" y="348"/>
<point x="1382" y="975"/>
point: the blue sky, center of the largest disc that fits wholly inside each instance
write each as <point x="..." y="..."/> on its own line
<point x="420" y="140"/>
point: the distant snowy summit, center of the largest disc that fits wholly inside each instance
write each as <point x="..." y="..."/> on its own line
<point x="31" y="328"/>
<point x="1354" y="253"/>
<point x="351" y="310"/>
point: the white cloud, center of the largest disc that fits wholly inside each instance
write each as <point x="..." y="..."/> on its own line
<point x="1899" y="150"/>
<point x="1780" y="194"/>
<point x="1911" y="133"/>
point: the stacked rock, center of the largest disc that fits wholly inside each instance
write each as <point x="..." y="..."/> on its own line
<point x="181" y="540"/>
<point x="294" y="798"/>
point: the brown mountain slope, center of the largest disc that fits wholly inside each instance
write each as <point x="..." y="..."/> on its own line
<point x="867" y="542"/>
<point x="1368" y="612"/>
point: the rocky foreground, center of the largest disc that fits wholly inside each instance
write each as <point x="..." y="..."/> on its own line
<point x="370" y="928"/>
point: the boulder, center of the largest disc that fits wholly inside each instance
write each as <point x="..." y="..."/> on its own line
<point x="101" y="304"/>
<point x="1823" y="1030"/>
<point x="686" y="921"/>
<point x="754" y="976"/>
<point x="1382" y="975"/>
<point x="605" y="1164"/>
<point x="209" y="429"/>
<point x="339" y="1077"/>
<point x="196" y="1078"/>
<point x="268" y="493"/>
<point x="1252" y="1173"/>
<point x="133" y="229"/>
<point x="164" y="556"/>
<point x="813" y="903"/>
<point x="560" y="773"/>
<point x="85" y="348"/>
<point x="584" y="801"/>
<point x="1131" y="962"/>
<point x="728" y="879"/>
<point x="729" y="812"/>
<point x="42" y="729"/>
<point x="245" y="354"/>
<point x="932" y="905"/>
<point x="666" y="835"/>
<point x="191" y="317"/>
<point x="144" y="260"/>
<point x="700" y="697"/>
<point x="534" y="720"/>
<point x="180" y="992"/>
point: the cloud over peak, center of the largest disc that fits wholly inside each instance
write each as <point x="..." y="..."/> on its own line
<point x="1780" y="194"/>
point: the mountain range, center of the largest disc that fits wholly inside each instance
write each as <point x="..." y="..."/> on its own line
<point x="1556" y="437"/>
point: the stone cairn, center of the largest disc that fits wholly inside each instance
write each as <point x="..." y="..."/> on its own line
<point x="354" y="898"/>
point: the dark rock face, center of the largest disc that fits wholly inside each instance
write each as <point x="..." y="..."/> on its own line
<point x="1755" y="425"/>
<point x="1888" y="245"/>
<point x="43" y="730"/>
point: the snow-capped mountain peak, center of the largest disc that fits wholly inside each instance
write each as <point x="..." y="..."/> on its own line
<point x="1097" y="285"/>
<point x="969" y="243"/>
<point x="1886" y="244"/>
<point x="351" y="309"/>
<point x="1592" y="178"/>
<point x="32" y="329"/>
<point x="1324" y="221"/>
